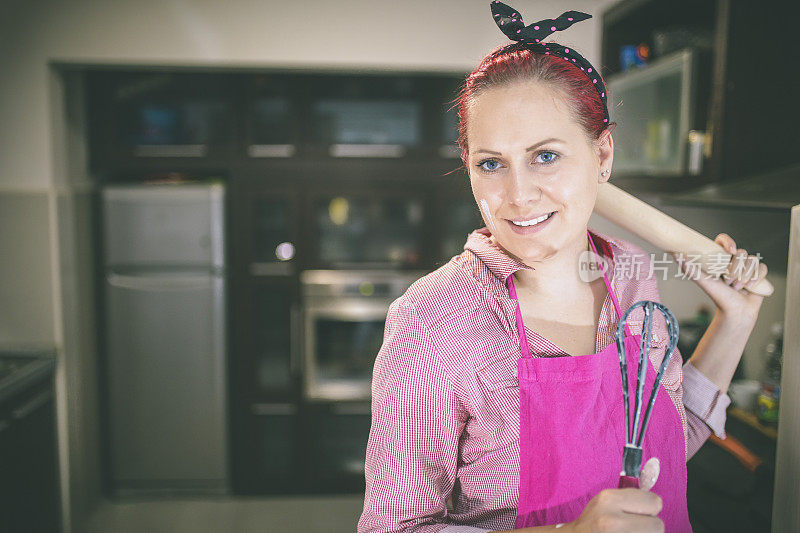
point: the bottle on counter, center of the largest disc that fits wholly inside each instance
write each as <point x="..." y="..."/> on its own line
<point x="768" y="401"/>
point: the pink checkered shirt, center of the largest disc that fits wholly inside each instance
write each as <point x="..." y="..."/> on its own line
<point x="445" y="397"/>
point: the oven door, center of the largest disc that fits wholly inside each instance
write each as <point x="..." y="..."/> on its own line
<point x="343" y="337"/>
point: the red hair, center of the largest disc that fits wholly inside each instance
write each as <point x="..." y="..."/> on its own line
<point x="515" y="62"/>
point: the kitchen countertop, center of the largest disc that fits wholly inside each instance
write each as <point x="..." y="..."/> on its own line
<point x="22" y="367"/>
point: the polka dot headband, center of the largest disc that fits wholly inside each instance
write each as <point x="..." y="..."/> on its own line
<point x="510" y="23"/>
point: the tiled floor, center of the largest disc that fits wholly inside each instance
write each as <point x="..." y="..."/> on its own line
<point x="332" y="514"/>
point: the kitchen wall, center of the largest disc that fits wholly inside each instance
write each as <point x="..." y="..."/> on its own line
<point x="45" y="290"/>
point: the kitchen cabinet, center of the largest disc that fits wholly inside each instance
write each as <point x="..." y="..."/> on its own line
<point x="29" y="490"/>
<point x="375" y="226"/>
<point x="336" y="437"/>
<point x="329" y="171"/>
<point x="741" y="91"/>
<point x="270" y="433"/>
<point x="273" y="116"/>
<point x="165" y="116"/>
<point x="727" y="492"/>
<point x="368" y="116"/>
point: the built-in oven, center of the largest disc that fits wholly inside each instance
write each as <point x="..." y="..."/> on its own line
<point x="343" y="324"/>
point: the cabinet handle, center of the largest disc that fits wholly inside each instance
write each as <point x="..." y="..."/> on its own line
<point x="32" y="405"/>
<point x="351" y="409"/>
<point x="367" y="150"/>
<point x="170" y="150"/>
<point x="273" y="408"/>
<point x="271" y="150"/>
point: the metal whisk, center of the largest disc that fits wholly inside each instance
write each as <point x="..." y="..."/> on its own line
<point x="632" y="453"/>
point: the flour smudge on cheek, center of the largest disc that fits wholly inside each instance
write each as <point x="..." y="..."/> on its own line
<point x="487" y="214"/>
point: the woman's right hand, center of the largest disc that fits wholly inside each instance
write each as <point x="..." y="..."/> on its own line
<point x="620" y="510"/>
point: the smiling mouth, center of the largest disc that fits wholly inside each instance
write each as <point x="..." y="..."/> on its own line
<point x="532" y="221"/>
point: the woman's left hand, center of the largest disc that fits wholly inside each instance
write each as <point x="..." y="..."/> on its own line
<point x="729" y="292"/>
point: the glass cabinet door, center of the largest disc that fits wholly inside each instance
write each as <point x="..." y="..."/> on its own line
<point x="368" y="116"/>
<point x="275" y="322"/>
<point x="653" y="106"/>
<point x="173" y="114"/>
<point x="269" y="313"/>
<point x="448" y="124"/>
<point x="273" y="233"/>
<point x="358" y="230"/>
<point x="342" y="121"/>
<point x="272" y="120"/>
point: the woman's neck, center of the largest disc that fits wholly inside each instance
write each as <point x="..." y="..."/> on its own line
<point x="558" y="274"/>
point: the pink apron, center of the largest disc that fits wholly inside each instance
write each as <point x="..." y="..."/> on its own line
<point x="572" y="431"/>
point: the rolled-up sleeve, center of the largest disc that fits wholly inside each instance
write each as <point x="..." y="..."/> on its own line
<point x="706" y="407"/>
<point x="412" y="449"/>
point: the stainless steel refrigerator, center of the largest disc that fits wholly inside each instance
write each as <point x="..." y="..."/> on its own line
<point x="165" y="337"/>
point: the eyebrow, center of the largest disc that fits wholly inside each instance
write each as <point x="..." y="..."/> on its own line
<point x="528" y="149"/>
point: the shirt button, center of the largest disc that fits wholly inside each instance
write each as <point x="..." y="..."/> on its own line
<point x="655" y="337"/>
<point x="515" y="372"/>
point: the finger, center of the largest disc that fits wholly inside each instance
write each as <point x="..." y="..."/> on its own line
<point x="752" y="269"/>
<point x="741" y="259"/>
<point x="649" y="474"/>
<point x="638" y="501"/>
<point x="727" y="242"/>
<point x="762" y="273"/>
<point x="739" y="269"/>
<point x="734" y="268"/>
<point x="643" y="524"/>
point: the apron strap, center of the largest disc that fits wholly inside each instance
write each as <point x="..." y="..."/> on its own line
<point x="608" y="285"/>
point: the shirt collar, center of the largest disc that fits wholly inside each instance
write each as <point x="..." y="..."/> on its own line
<point x="501" y="265"/>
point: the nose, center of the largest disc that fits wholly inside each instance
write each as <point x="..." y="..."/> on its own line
<point x="522" y="187"/>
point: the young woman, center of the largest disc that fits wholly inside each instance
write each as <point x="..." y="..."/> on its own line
<point x="446" y="391"/>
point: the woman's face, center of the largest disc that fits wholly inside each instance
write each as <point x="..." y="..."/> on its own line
<point x="528" y="158"/>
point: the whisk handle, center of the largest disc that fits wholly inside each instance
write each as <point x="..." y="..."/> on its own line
<point x="628" y="482"/>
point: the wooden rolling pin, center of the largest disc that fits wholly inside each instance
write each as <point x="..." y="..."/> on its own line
<point x="663" y="231"/>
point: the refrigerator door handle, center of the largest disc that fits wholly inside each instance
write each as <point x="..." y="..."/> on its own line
<point x="152" y="283"/>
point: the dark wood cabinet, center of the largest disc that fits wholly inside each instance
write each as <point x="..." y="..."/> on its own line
<point x="170" y="116"/>
<point x="29" y="478"/>
<point x="325" y="170"/>
<point x="336" y="436"/>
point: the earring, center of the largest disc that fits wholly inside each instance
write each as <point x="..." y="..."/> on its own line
<point x="604" y="172"/>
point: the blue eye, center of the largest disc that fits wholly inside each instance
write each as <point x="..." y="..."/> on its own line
<point x="550" y="159"/>
<point x="549" y="156"/>
<point x="488" y="169"/>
